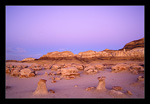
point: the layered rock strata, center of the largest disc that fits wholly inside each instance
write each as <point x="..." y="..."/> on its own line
<point x="132" y="50"/>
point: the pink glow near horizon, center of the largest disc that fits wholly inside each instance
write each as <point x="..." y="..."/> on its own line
<point x="32" y="31"/>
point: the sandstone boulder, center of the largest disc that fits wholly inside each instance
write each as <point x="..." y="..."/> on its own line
<point x="98" y="66"/>
<point x="8" y="70"/>
<point x="69" y="73"/>
<point x="90" y="70"/>
<point x="120" y="67"/>
<point x="78" y="66"/>
<point x="56" y="67"/>
<point x="15" y="72"/>
<point x="117" y="94"/>
<point x="135" y="69"/>
<point x="36" y="67"/>
<point x="117" y="88"/>
<point x="129" y="92"/>
<point x="140" y="78"/>
<point x="47" y="66"/>
<point x="26" y="72"/>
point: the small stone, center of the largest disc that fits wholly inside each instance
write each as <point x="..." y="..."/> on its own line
<point x="76" y="86"/>
<point x="57" y="78"/>
<point x="53" y="81"/>
<point x="117" y="88"/>
<point x="52" y="91"/>
<point x="129" y="92"/>
<point x="89" y="88"/>
<point x="140" y="78"/>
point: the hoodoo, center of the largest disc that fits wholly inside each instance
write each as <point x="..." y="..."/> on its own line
<point x="41" y="88"/>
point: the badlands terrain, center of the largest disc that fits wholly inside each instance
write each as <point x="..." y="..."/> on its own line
<point x="90" y="74"/>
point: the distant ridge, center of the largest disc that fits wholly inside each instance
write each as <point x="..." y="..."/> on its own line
<point x="132" y="50"/>
<point x="134" y="44"/>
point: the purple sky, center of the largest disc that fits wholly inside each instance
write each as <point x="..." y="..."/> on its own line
<point x="32" y="31"/>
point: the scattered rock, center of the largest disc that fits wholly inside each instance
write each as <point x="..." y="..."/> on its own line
<point x="90" y="70"/>
<point x="15" y="72"/>
<point x="53" y="81"/>
<point x="8" y="70"/>
<point x="117" y="94"/>
<point x="119" y="67"/>
<point x="36" y="67"/>
<point x="140" y="78"/>
<point x="129" y="92"/>
<point x="46" y="74"/>
<point x="117" y="88"/>
<point x="99" y="66"/>
<point x="55" y="67"/>
<point x="69" y="73"/>
<point x="75" y="85"/>
<point x="47" y="66"/>
<point x="26" y="72"/>
<point x="57" y="78"/>
<point x="78" y="66"/>
<point x="51" y="91"/>
<point x="8" y="87"/>
<point x="89" y="88"/>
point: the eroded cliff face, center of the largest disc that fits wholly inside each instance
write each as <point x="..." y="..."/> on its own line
<point x="134" y="44"/>
<point x="58" y="55"/>
<point x="28" y="59"/>
<point x="132" y="50"/>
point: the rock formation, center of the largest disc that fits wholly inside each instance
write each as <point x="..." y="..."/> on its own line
<point x="90" y="70"/>
<point x="117" y="88"/>
<point x="26" y="72"/>
<point x="98" y="66"/>
<point x="41" y="88"/>
<point x="87" y="54"/>
<point x="120" y="67"/>
<point x="36" y="67"/>
<point x="132" y="50"/>
<point x="101" y="83"/>
<point x="135" y="69"/>
<point x="47" y="66"/>
<point x="28" y="59"/>
<point x="58" y="55"/>
<point x="140" y="78"/>
<point x="15" y="72"/>
<point x="78" y="66"/>
<point x="129" y="92"/>
<point x="69" y="73"/>
<point x="134" y="44"/>
<point x="117" y="94"/>
<point x="55" y="67"/>
<point x="8" y="70"/>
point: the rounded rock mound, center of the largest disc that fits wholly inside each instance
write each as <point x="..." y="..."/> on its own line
<point x="28" y="59"/>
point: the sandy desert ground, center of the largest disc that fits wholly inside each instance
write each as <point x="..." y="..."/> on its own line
<point x="76" y="88"/>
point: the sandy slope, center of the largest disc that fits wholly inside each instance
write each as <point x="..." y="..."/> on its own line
<point x="24" y="87"/>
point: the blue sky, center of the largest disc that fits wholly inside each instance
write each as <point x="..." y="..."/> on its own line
<point x="32" y="31"/>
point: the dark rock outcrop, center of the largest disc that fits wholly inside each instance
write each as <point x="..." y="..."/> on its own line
<point x="134" y="44"/>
